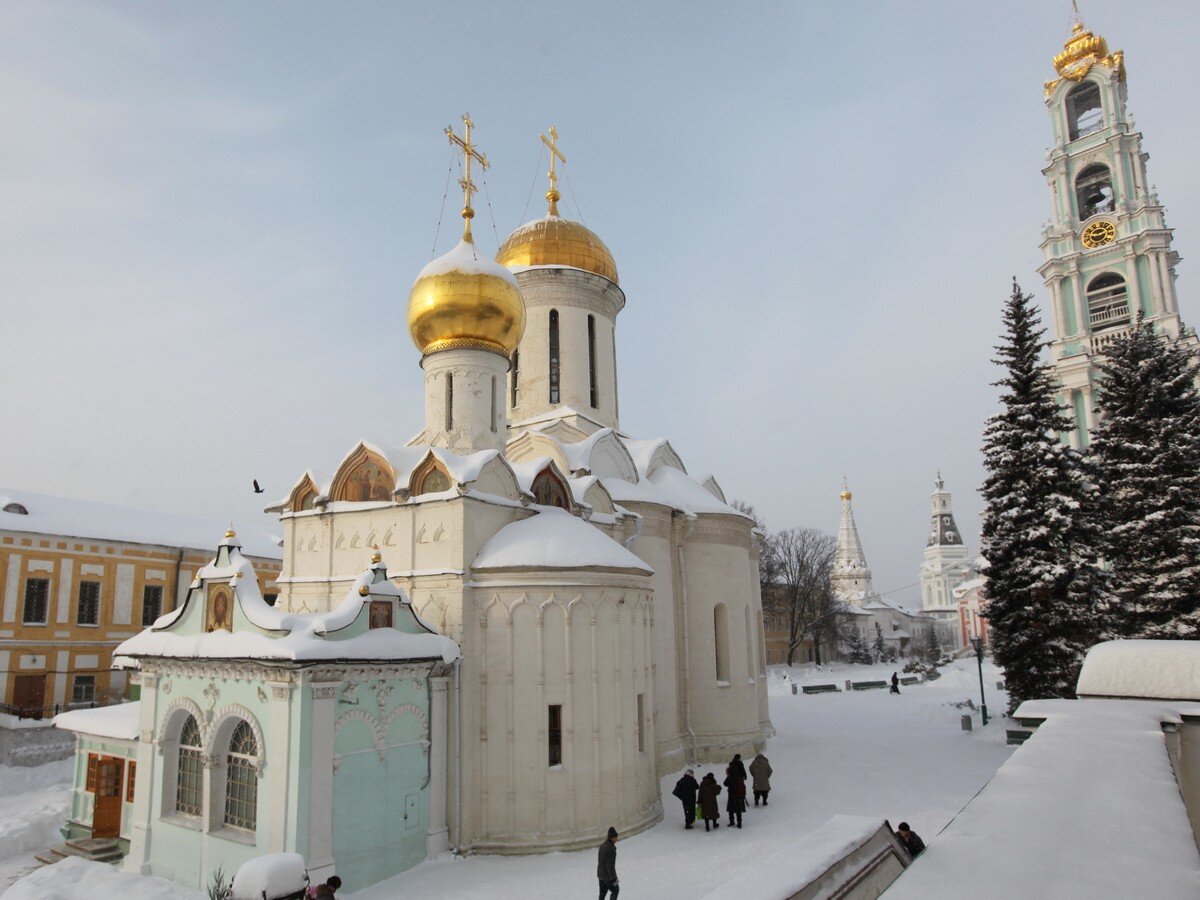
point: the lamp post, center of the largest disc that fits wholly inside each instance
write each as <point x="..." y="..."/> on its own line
<point x="978" y="644"/>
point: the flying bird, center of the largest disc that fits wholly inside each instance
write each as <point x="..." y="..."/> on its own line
<point x="257" y="489"/>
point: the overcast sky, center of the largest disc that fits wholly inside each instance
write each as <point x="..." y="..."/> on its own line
<point x="211" y="215"/>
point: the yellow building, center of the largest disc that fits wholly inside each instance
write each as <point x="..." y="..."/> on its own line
<point x="77" y="578"/>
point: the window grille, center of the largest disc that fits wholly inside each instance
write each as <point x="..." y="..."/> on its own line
<point x="189" y="783"/>
<point x="555" y="362"/>
<point x="555" y="735"/>
<point x="241" y="781"/>
<point x="593" y="393"/>
<point x="83" y="689"/>
<point x="37" y="593"/>
<point x="152" y="595"/>
<point x="88" y="610"/>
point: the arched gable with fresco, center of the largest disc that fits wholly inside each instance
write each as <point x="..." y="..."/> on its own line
<point x="364" y="476"/>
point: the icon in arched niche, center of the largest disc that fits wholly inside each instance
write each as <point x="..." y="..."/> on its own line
<point x="381" y="614"/>
<point x="219" y="613"/>
<point x="368" y="481"/>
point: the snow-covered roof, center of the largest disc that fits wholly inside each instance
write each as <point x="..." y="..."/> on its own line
<point x="466" y="257"/>
<point x="1151" y="670"/>
<point x="672" y="488"/>
<point x="970" y="584"/>
<point x="119" y="721"/>
<point x="69" y="517"/>
<point x="1089" y="806"/>
<point x="786" y="872"/>
<point x="270" y="633"/>
<point x="554" y="539"/>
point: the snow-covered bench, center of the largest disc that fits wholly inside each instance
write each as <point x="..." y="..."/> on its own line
<point x="868" y="685"/>
<point x="910" y="679"/>
<point x="820" y="688"/>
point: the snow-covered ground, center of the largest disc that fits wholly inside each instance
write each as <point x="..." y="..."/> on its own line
<point x="33" y="805"/>
<point x="864" y="753"/>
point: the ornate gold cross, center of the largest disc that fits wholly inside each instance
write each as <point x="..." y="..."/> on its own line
<point x="470" y="152"/>
<point x="555" y="155"/>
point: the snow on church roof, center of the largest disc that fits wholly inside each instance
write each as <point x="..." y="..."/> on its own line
<point x="278" y="635"/>
<point x="670" y="487"/>
<point x="69" y="517"/>
<point x="1151" y="670"/>
<point x="554" y="539"/>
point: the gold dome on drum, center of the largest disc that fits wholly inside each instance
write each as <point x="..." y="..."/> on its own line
<point x="464" y="300"/>
<point x="554" y="241"/>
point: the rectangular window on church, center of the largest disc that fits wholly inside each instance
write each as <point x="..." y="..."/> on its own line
<point x="554" y="732"/>
<point x="87" y="610"/>
<point x="641" y="713"/>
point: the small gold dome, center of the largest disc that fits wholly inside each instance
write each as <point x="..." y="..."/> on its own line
<point x="463" y="299"/>
<point x="846" y="495"/>
<point x="554" y="241"/>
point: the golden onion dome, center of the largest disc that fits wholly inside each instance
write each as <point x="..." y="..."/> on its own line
<point x="846" y="495"/>
<point x="463" y="299"/>
<point x="554" y="241"/>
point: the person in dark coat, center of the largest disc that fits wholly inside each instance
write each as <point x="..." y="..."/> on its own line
<point x="895" y="683"/>
<point x="760" y="770"/>
<point x="710" y="809"/>
<point x="909" y="839"/>
<point x="685" y="789"/>
<point x="606" y="866"/>
<point x="738" y="766"/>
<point x="735" y="799"/>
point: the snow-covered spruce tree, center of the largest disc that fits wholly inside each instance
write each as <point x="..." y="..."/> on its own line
<point x="878" y="647"/>
<point x="1038" y="540"/>
<point x="1145" y="458"/>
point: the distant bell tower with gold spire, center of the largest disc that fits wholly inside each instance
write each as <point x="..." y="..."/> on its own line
<point x="1107" y="247"/>
<point x="466" y="316"/>
<point x="566" y="365"/>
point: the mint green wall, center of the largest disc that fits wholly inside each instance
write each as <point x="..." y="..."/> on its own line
<point x="1068" y="297"/>
<point x="380" y="805"/>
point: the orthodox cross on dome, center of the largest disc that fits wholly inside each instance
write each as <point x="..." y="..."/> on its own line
<point x="555" y="156"/>
<point x="470" y="152"/>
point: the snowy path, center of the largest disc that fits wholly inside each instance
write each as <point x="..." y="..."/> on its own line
<point x="867" y="753"/>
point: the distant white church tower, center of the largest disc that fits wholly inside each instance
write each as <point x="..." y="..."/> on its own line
<point x="1107" y="247"/>
<point x="851" y="575"/>
<point x="945" y="565"/>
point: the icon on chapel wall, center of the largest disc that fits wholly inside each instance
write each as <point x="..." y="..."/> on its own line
<point x="220" y="606"/>
<point x="368" y="482"/>
<point x="381" y="614"/>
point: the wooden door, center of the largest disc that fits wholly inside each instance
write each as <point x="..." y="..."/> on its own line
<point x="106" y="814"/>
<point x="29" y="695"/>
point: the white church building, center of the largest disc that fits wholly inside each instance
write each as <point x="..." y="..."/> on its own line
<point x="606" y="602"/>
<point x="944" y="569"/>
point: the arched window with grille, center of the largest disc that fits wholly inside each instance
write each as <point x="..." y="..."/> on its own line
<point x="1108" y="302"/>
<point x="1085" y="112"/>
<point x="555" y="362"/>
<point x="1094" y="191"/>
<point x="189" y="780"/>
<point x="241" y="779"/>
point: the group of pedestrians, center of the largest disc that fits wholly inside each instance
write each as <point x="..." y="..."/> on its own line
<point x="704" y="793"/>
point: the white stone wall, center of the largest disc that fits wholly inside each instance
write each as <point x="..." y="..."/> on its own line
<point x="475" y="417"/>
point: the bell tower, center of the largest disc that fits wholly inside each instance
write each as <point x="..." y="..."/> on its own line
<point x="1108" y="256"/>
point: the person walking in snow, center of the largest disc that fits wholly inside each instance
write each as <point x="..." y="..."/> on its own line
<point x="606" y="866"/>
<point x="710" y="809"/>
<point x="685" y="789"/>
<point x="895" y="683"/>
<point x="760" y="770"/>
<point x="735" y="798"/>
<point x="910" y="841"/>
